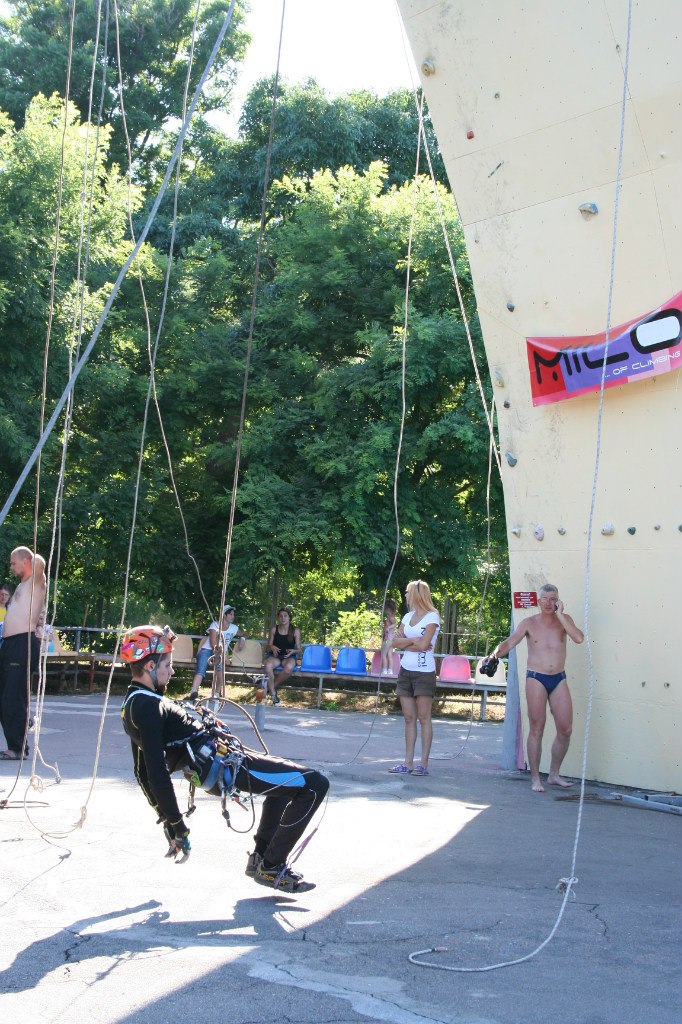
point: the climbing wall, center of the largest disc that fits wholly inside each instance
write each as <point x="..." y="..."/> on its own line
<point x="526" y="101"/>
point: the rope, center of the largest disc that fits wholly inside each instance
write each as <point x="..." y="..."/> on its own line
<point x="252" y="319"/>
<point x="488" y="412"/>
<point x="79" y="313"/>
<point x="122" y="273"/>
<point x="566" y="885"/>
<point x="43" y="398"/>
<point x="144" y="423"/>
<point x="76" y="336"/>
<point x="401" y="433"/>
<point x="162" y="315"/>
<point x="183" y="131"/>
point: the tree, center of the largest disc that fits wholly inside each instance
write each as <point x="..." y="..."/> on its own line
<point x="154" y="37"/>
<point x="315" y="499"/>
<point x="326" y="378"/>
<point x="314" y="133"/>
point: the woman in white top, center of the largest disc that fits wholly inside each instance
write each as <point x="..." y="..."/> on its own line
<point x="230" y="630"/>
<point x="415" y="638"/>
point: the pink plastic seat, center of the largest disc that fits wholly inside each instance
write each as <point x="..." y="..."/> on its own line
<point x="375" y="669"/>
<point x="455" y="668"/>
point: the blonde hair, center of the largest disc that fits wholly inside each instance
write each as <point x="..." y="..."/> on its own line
<point x="418" y="597"/>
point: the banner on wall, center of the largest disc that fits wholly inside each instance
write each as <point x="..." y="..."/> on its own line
<point x="563" y="367"/>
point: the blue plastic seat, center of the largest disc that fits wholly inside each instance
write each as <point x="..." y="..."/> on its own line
<point x="351" y="661"/>
<point x="316" y="658"/>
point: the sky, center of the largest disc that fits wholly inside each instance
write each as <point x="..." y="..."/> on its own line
<point x="342" y="44"/>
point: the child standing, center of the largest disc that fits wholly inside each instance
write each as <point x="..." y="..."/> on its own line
<point x="387" y="638"/>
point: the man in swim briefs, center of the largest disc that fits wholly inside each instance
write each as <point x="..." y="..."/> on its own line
<point x="546" y="680"/>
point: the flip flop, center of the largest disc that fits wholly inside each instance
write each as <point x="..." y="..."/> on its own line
<point x="399" y="769"/>
<point x="420" y="770"/>
<point x="9" y="755"/>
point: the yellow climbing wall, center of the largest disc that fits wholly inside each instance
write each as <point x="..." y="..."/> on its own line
<point x="525" y="99"/>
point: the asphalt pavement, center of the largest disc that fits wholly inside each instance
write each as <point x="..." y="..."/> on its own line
<point x="99" y="927"/>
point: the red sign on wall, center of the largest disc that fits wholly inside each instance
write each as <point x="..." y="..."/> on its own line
<point x="645" y="347"/>
<point x="525" y="599"/>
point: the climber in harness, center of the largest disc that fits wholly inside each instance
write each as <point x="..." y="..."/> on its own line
<point x="167" y="737"/>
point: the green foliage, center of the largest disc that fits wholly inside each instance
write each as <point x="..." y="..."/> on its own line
<point x="315" y="504"/>
<point x="313" y="132"/>
<point x="359" y="627"/>
<point x="154" y="38"/>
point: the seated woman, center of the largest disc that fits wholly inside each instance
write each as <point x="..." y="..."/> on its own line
<point x="284" y="645"/>
<point x="230" y="630"/>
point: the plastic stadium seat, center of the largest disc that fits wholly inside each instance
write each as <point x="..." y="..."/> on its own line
<point x="250" y="655"/>
<point x="183" y="649"/>
<point x="455" y="668"/>
<point x="375" y="669"/>
<point x="500" y="677"/>
<point x="316" y="658"/>
<point x="351" y="661"/>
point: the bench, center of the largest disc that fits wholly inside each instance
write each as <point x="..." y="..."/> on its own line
<point x="454" y="678"/>
<point x="60" y="662"/>
<point x="474" y="686"/>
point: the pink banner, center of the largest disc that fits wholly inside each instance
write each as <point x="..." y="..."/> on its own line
<point x="646" y="347"/>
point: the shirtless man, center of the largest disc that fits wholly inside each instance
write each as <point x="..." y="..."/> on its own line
<point x="546" y="680"/>
<point x="20" y="649"/>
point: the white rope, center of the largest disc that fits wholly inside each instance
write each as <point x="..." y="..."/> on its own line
<point x="43" y="397"/>
<point x="87" y="191"/>
<point x="162" y="315"/>
<point x="34" y="780"/>
<point x="401" y="432"/>
<point x="252" y="320"/>
<point x="82" y="263"/>
<point x="131" y="538"/>
<point x="122" y="273"/>
<point x="566" y="885"/>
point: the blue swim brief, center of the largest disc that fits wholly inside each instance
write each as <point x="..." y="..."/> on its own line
<point x="550" y="683"/>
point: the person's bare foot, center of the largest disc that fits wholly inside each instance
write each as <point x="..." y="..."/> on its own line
<point x="536" y="785"/>
<point x="556" y="780"/>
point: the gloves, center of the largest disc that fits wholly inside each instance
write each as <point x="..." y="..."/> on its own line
<point x="488" y="666"/>
<point x="177" y="834"/>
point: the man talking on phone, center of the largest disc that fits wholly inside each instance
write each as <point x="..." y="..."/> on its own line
<point x="546" y="683"/>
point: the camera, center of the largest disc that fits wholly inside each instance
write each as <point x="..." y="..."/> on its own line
<point x="488" y="666"/>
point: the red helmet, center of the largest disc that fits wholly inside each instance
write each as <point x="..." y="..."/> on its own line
<point x="142" y="642"/>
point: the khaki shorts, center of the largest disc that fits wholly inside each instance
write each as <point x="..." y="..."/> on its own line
<point x="415" y="684"/>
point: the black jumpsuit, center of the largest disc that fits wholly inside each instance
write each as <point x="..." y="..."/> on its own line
<point x="293" y="793"/>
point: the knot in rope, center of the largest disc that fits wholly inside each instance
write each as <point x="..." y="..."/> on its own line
<point x="566" y="884"/>
<point x="37" y="783"/>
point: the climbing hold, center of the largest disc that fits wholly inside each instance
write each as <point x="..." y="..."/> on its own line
<point x="428" y="67"/>
<point x="497" y="95"/>
<point x="680" y="527"/>
<point x="470" y="134"/>
<point x="516" y="530"/>
<point x="588" y="210"/>
<point x="632" y="529"/>
<point x="657" y="526"/>
<point x="507" y="403"/>
<point x="511" y="459"/>
<point x="561" y="530"/>
<point x="510" y="306"/>
<point x="498" y="378"/>
<point x="608" y="529"/>
<point x="539" y="532"/>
